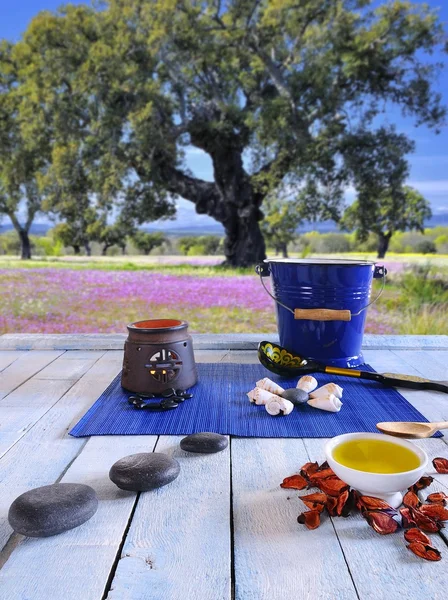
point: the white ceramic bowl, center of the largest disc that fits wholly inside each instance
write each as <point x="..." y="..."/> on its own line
<point x="387" y="486"/>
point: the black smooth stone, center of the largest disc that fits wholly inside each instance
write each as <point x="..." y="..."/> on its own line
<point x="187" y="396"/>
<point x="144" y="471"/>
<point x="146" y="396"/>
<point x="296" y="396"/>
<point x="52" y="509"/>
<point x="204" y="443"/>
<point x="168" y="393"/>
<point x="178" y="399"/>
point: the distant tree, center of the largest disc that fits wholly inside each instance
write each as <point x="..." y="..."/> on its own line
<point x="394" y="210"/>
<point x="384" y="205"/>
<point x="286" y="83"/>
<point x="146" y="242"/>
<point x="10" y="243"/>
<point x="205" y="245"/>
<point x="23" y="153"/>
<point x="115" y="234"/>
<point x="187" y="242"/>
<point x="279" y="227"/>
<point x="72" y="235"/>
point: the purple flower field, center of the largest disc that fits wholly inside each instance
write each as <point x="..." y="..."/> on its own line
<point x="54" y="300"/>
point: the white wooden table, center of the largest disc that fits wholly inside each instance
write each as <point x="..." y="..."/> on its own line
<point x="224" y="529"/>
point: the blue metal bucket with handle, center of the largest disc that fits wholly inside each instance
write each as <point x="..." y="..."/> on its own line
<point x="322" y="305"/>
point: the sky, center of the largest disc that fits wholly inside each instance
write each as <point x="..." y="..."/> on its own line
<point x="429" y="163"/>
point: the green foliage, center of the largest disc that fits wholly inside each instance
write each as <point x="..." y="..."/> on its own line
<point x="422" y="285"/>
<point x="426" y="247"/>
<point x="282" y="217"/>
<point x="146" y="242"/>
<point x="49" y="246"/>
<point x="203" y="245"/>
<point x="326" y="243"/>
<point x="9" y="243"/>
<point x="385" y="210"/>
<point x="24" y="152"/>
<point x="126" y="86"/>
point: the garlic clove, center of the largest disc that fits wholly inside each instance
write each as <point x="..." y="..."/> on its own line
<point x="307" y="383"/>
<point x="326" y="390"/>
<point x="279" y="406"/>
<point x="270" y="386"/>
<point x="260" y="396"/>
<point x="331" y="404"/>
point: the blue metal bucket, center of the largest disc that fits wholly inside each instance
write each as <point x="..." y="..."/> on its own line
<point x="321" y="306"/>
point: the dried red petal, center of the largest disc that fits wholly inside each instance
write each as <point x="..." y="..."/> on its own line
<point x="422" y="483"/>
<point x="381" y="522"/>
<point x="314" y="505"/>
<point x="372" y="503"/>
<point x="319" y="475"/>
<point x="342" y="501"/>
<point x="441" y="465"/>
<point x="311" y="519"/>
<point x="435" y="511"/>
<point x="415" y="535"/>
<point x="308" y="469"/>
<point x="411" y="499"/>
<point x="333" y="486"/>
<point x="406" y="518"/>
<point x="424" y="522"/>
<point x="424" y="551"/>
<point x="437" y="498"/>
<point x="349" y="505"/>
<point x="331" y="505"/>
<point x="295" y="482"/>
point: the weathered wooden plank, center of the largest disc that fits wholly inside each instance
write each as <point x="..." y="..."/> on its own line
<point x="23" y="407"/>
<point x="7" y="357"/>
<point x="25" y="367"/>
<point x="381" y="566"/>
<point x="433" y="405"/>
<point x="275" y="558"/>
<point x="69" y="365"/>
<point x="44" y="452"/>
<point x="232" y="341"/>
<point x="76" y="564"/>
<point x="178" y="545"/>
<point x="430" y="366"/>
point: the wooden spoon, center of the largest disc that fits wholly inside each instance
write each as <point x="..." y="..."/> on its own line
<point x="410" y="429"/>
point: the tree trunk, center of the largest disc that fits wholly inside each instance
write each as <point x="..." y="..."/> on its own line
<point x="383" y="244"/>
<point x="87" y="248"/>
<point x="284" y="249"/>
<point x="231" y="200"/>
<point x="239" y="204"/>
<point x="76" y="249"/>
<point x="25" y="244"/>
<point x="104" y="250"/>
<point x="123" y="250"/>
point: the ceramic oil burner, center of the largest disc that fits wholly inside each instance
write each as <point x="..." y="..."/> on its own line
<point x="158" y="355"/>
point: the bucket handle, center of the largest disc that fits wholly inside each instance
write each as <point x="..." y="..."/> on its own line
<point x="323" y="314"/>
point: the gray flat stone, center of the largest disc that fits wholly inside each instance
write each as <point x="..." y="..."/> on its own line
<point x="52" y="509"/>
<point x="204" y="443"/>
<point x="144" y="471"/>
<point x="295" y="395"/>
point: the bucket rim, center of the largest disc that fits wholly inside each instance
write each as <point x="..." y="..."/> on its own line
<point x="321" y="261"/>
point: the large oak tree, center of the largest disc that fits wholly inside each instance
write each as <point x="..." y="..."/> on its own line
<point x="270" y="89"/>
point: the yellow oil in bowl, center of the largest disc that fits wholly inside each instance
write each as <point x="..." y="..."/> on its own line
<point x="375" y="456"/>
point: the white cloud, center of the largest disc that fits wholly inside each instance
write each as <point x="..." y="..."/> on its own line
<point x="433" y="186"/>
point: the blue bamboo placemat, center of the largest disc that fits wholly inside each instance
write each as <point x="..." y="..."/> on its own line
<point x="220" y="404"/>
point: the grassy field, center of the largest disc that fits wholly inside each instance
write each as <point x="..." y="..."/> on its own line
<point x="99" y="294"/>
